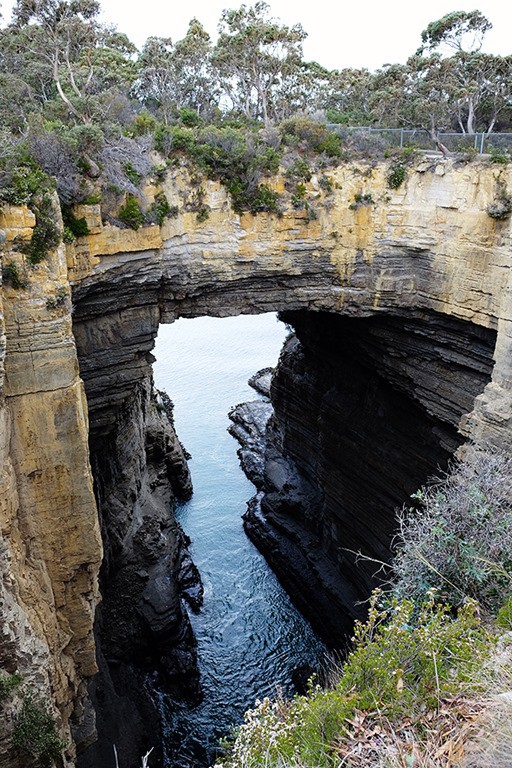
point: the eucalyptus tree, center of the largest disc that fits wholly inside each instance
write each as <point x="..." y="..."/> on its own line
<point x="477" y="85"/>
<point x="62" y="50"/>
<point x="256" y="57"/>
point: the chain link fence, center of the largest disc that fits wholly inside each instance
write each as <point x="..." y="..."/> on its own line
<point x="482" y="143"/>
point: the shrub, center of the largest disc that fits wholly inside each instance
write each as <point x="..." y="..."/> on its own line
<point x="402" y="664"/>
<point x="396" y="175"/>
<point x="131" y="214"/>
<point x="459" y="540"/>
<point x="77" y="226"/>
<point x="132" y="174"/>
<point x="12" y="274"/>
<point x="35" y="733"/>
<point x="8" y="684"/>
<point x="46" y="235"/>
<point x="160" y="209"/>
<point x="300" y="170"/>
<point x="498" y="155"/>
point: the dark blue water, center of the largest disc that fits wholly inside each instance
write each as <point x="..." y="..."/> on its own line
<point x="250" y="637"/>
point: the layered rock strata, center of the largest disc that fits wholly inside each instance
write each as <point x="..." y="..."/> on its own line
<point x="365" y="411"/>
<point x="145" y="640"/>
<point x="429" y="246"/>
<point x="50" y="541"/>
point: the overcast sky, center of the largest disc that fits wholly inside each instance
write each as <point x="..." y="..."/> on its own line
<point x="346" y="33"/>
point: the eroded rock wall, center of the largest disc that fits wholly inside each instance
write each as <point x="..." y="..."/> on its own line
<point x="50" y="541"/>
<point x="144" y="636"/>
<point x="366" y="410"/>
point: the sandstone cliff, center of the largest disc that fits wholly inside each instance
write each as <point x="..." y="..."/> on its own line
<point x="426" y="250"/>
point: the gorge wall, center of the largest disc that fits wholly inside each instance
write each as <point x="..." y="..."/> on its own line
<point x="418" y="280"/>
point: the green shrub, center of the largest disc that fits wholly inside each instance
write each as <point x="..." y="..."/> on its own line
<point x="131" y="214"/>
<point x="361" y="198"/>
<point x="131" y="174"/>
<point x="143" y="124"/>
<point x="45" y="236"/>
<point x="77" y="226"/>
<point x="189" y="117"/>
<point x="504" y="618"/>
<point x="35" y="733"/>
<point x="58" y="300"/>
<point x="459" y="540"/>
<point x="403" y="663"/>
<point x="497" y="155"/>
<point x="8" y="684"/>
<point x="12" y="274"/>
<point x="300" y="170"/>
<point x="160" y="209"/>
<point x="203" y="213"/>
<point x="396" y="175"/>
<point x="26" y="181"/>
<point x="254" y="200"/>
<point x="67" y="235"/>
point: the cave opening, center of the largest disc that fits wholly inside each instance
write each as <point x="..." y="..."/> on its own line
<point x="366" y="409"/>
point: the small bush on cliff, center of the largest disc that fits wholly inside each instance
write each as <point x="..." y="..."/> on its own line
<point x="396" y="175"/>
<point x="46" y="235"/>
<point x="131" y="214"/>
<point x="459" y="540"/>
<point x="35" y="733"/>
<point x="8" y="684"/>
<point x="77" y="226"/>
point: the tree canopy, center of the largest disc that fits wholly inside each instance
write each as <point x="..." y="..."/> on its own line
<point x="77" y="98"/>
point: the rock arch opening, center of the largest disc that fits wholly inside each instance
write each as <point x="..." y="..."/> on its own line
<point x="366" y="410"/>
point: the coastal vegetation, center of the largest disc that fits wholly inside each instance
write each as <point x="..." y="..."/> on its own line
<point x="82" y="109"/>
<point x="415" y="687"/>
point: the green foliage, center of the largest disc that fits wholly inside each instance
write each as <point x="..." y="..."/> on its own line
<point x="26" y="181"/>
<point x="8" y="684"/>
<point x="299" y="171"/>
<point x="35" y="733"/>
<point x="360" y="199"/>
<point x="203" y="213"/>
<point x="396" y="175"/>
<point x="77" y="226"/>
<point x="254" y="200"/>
<point x="143" y="124"/>
<point x="311" y="135"/>
<point x="459" y="541"/>
<point x="132" y="174"/>
<point x="67" y="235"/>
<point x="58" y="300"/>
<point x="131" y="214"/>
<point x="504" y="617"/>
<point x="498" y="155"/>
<point x="45" y="236"/>
<point x="12" y="274"/>
<point x="159" y="210"/>
<point x="403" y="663"/>
<point x="189" y="117"/>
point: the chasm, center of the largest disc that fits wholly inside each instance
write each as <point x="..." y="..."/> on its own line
<point x="194" y="626"/>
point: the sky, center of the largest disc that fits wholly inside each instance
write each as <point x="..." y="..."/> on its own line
<point x="359" y="33"/>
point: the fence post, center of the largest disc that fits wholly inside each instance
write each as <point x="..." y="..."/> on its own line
<point x="482" y="143"/>
<point x="476" y="141"/>
<point x="401" y="138"/>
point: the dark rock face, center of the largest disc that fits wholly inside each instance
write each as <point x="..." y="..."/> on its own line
<point x="143" y="632"/>
<point x="366" y="410"/>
